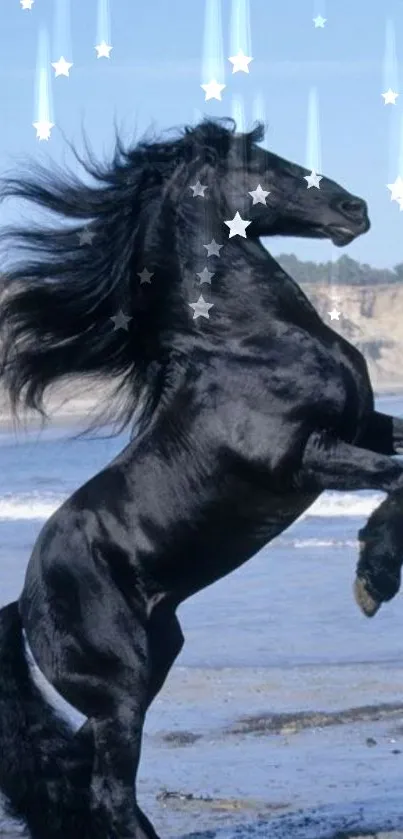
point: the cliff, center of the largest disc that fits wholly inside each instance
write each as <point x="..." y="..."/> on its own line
<point x="371" y="318"/>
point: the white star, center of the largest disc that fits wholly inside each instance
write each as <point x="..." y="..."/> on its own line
<point x="334" y="314"/>
<point x="103" y="49"/>
<point x="120" y="320"/>
<point x="237" y="226"/>
<point x="205" y="276"/>
<point x="198" y="189"/>
<point x="43" y="129"/>
<point x="319" y="21"/>
<point x="240" y="62"/>
<point x="390" y="97"/>
<point x="145" y="276"/>
<point x="259" y="195"/>
<point x="61" y="67"/>
<point x="396" y="189"/>
<point x="212" y="90"/>
<point x="26" y="4"/>
<point x="86" y="236"/>
<point x="313" y="179"/>
<point x="400" y="202"/>
<point x="213" y="249"/>
<point x="201" y="308"/>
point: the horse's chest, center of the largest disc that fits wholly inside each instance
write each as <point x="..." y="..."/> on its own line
<point x="333" y="384"/>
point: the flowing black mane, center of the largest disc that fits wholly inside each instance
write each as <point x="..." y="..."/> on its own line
<point x="60" y="296"/>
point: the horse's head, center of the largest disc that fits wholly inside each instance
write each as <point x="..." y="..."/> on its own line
<point x="295" y="203"/>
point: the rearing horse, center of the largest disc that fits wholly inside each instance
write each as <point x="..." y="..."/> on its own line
<point x="249" y="407"/>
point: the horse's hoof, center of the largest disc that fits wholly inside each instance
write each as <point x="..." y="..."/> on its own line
<point x="368" y="605"/>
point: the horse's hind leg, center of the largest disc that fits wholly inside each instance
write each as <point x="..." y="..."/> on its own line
<point x="104" y="671"/>
<point x="117" y="744"/>
<point x="86" y="735"/>
<point x="165" y="641"/>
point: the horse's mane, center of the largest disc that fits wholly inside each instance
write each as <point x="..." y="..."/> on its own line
<point x="59" y="295"/>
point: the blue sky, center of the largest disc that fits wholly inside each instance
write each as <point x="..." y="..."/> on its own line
<point x="154" y="76"/>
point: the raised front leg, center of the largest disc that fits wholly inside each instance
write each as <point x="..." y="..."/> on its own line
<point x="397" y="432"/>
<point x="383" y="434"/>
<point x="331" y="464"/>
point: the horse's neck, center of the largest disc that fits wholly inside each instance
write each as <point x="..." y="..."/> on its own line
<point x="244" y="274"/>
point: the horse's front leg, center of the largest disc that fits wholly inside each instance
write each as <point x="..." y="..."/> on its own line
<point x="383" y="434"/>
<point x="329" y="463"/>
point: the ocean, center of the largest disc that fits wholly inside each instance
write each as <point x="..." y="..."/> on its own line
<point x="280" y="636"/>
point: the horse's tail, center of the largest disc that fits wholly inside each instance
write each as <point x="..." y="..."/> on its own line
<point x="44" y="780"/>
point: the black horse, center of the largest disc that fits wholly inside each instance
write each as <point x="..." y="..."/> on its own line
<point x="248" y="407"/>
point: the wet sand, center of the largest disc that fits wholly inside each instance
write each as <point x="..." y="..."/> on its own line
<point x="209" y="770"/>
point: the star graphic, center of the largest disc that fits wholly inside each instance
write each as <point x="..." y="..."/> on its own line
<point x="201" y="308"/>
<point x="390" y="97"/>
<point x="400" y="202"/>
<point x="334" y="314"/>
<point x="120" y="320"/>
<point x="313" y="179"/>
<point x="145" y="276"/>
<point x="240" y="62"/>
<point x="237" y="226"/>
<point x="61" y="67"/>
<point x="103" y="49"/>
<point x="205" y="276"/>
<point x="43" y="129"/>
<point x="26" y="4"/>
<point x="212" y="90"/>
<point x="396" y="189"/>
<point x="198" y="189"/>
<point x="85" y="236"/>
<point x="213" y="249"/>
<point x="319" y="22"/>
<point x="259" y="195"/>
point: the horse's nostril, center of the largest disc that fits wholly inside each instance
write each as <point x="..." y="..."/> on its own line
<point x="353" y="207"/>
